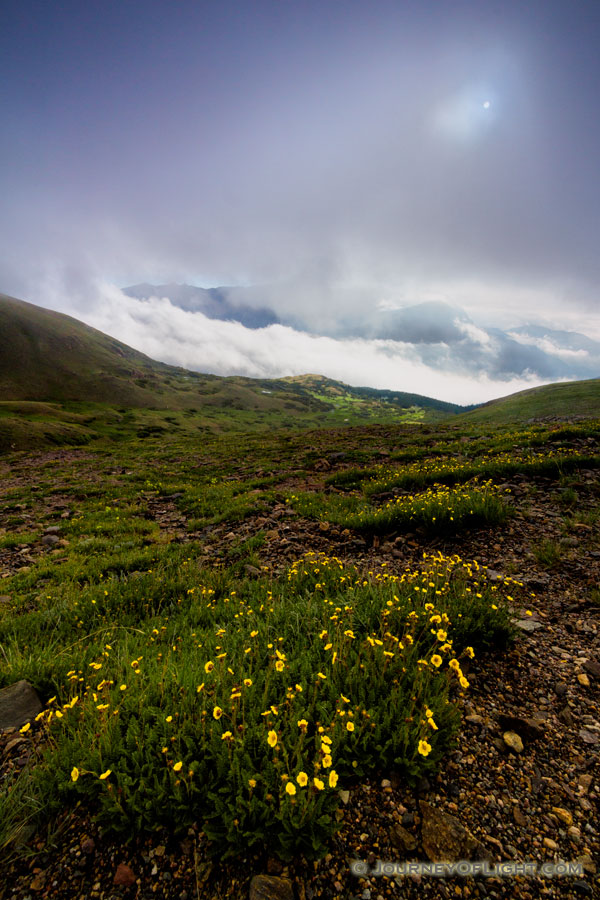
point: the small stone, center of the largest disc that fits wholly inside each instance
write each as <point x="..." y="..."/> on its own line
<point x="160" y="850"/>
<point x="402" y="839"/>
<point x="528" y="625"/>
<point x="563" y="814"/>
<point x="386" y="783"/>
<point x="37" y="883"/>
<point x="550" y="844"/>
<point x="584" y="782"/>
<point x="88" y="846"/>
<point x="574" y="833"/>
<point x="474" y="719"/>
<point x="519" y="817"/>
<point x="583" y="680"/>
<point x="52" y="529"/>
<point x="267" y="887"/>
<point x="124" y="876"/>
<point x="583" y="888"/>
<point x="588" y="736"/>
<point x="560" y="689"/>
<point x="50" y="540"/>
<point x="344" y="797"/>
<point x="566" y="716"/>
<point x="587" y="862"/>
<point x="19" y="704"/>
<point x="593" y="667"/>
<point x="445" y="838"/>
<point x="513" y="741"/>
<point x="527" y="727"/>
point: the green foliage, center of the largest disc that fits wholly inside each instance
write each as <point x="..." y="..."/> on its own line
<point x="437" y="510"/>
<point x="241" y="703"/>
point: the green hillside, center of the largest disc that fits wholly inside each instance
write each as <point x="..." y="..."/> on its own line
<point x="62" y="382"/>
<point x="565" y="400"/>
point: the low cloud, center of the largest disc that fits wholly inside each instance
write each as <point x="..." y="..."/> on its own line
<point x="194" y="341"/>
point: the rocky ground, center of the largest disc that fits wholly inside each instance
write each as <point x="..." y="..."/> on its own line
<point x="522" y="785"/>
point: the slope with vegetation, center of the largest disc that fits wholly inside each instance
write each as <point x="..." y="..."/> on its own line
<point x="62" y="382"/>
<point x="225" y="635"/>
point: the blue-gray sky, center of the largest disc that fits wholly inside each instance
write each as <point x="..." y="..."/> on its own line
<point x="344" y="155"/>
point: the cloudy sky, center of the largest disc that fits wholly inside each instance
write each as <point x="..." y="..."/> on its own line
<point x="347" y="159"/>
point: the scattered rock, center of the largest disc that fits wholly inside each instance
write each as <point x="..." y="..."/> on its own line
<point x="588" y="736"/>
<point x="19" y="704"/>
<point x="528" y="728"/>
<point x="50" y="540"/>
<point x="583" y="680"/>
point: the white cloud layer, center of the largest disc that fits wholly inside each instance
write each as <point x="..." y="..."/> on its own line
<point x="192" y="340"/>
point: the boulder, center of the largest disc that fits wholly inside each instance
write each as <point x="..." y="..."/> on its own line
<point x="19" y="704"/>
<point x="445" y="839"/>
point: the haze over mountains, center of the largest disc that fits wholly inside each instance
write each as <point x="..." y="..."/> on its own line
<point x="438" y="335"/>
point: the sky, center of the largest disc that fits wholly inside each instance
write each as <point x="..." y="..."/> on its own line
<point x="345" y="159"/>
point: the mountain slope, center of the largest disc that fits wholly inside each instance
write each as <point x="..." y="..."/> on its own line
<point x="45" y="355"/>
<point x="564" y="400"/>
<point x="62" y="382"/>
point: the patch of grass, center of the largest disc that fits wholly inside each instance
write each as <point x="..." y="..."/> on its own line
<point x="437" y="510"/>
<point x="548" y="553"/>
<point x="247" y="704"/>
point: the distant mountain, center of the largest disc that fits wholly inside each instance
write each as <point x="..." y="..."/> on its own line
<point x="226" y="303"/>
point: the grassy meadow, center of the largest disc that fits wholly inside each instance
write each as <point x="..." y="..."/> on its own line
<point x="229" y="688"/>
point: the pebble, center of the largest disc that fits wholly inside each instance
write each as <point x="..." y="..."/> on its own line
<point x="513" y="741"/>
